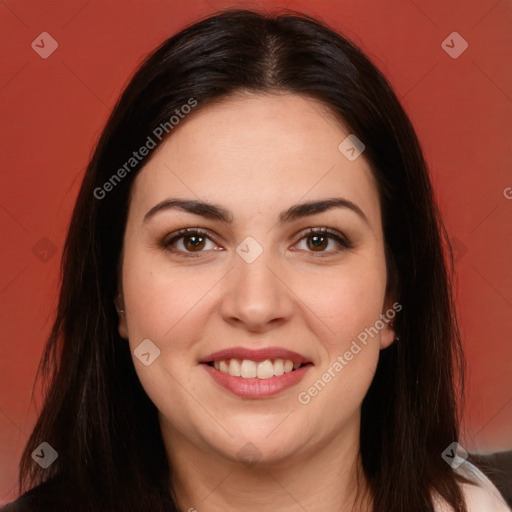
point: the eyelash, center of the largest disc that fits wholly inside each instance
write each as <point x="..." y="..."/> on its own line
<point x="329" y="233"/>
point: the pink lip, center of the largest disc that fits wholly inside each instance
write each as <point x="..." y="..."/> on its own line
<point x="255" y="355"/>
<point x="257" y="388"/>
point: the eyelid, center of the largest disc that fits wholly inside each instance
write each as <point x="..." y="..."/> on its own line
<point x="339" y="237"/>
<point x="331" y="233"/>
<point x="177" y="235"/>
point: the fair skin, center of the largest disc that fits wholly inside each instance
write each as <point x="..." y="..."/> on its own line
<point x="256" y="156"/>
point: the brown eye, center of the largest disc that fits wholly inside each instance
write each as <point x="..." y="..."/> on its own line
<point x="318" y="242"/>
<point x="188" y="241"/>
<point x="325" y="241"/>
<point x="193" y="242"/>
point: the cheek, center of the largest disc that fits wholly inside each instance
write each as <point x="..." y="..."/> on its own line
<point x="163" y="304"/>
<point x="350" y="303"/>
<point x="347" y="302"/>
<point x="168" y="307"/>
<point x="350" y="348"/>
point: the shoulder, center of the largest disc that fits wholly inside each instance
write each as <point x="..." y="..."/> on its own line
<point x="39" y="499"/>
<point x="483" y="495"/>
<point x="480" y="495"/>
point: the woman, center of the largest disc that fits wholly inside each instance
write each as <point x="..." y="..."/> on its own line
<point x="255" y="310"/>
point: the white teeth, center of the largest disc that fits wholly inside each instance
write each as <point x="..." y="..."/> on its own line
<point x="278" y="367"/>
<point x="234" y="368"/>
<point x="250" y="369"/>
<point x="288" y="366"/>
<point x="265" y="369"/>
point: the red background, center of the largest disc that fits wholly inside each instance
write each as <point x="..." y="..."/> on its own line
<point x="53" y="110"/>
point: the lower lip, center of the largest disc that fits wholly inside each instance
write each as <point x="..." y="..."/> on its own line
<point x="257" y="388"/>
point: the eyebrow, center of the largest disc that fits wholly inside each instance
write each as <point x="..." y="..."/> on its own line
<point x="216" y="212"/>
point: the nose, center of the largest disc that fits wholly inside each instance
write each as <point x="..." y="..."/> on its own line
<point x="256" y="295"/>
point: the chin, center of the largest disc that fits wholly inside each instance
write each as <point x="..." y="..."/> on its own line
<point x="259" y="446"/>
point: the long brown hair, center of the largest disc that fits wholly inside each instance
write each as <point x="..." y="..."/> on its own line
<point x="96" y="414"/>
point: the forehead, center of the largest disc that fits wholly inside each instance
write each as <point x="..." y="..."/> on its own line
<point x="256" y="152"/>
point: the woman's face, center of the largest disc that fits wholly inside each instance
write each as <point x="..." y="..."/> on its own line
<point x="227" y="311"/>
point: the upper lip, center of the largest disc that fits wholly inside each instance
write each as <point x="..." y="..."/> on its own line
<point x="255" y="355"/>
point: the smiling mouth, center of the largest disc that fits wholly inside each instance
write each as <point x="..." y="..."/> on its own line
<point x="248" y="369"/>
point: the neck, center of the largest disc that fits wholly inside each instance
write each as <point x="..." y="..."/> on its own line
<point x="324" y="478"/>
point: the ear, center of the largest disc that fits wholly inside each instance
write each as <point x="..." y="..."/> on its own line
<point x="121" y="312"/>
<point x="389" y="313"/>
